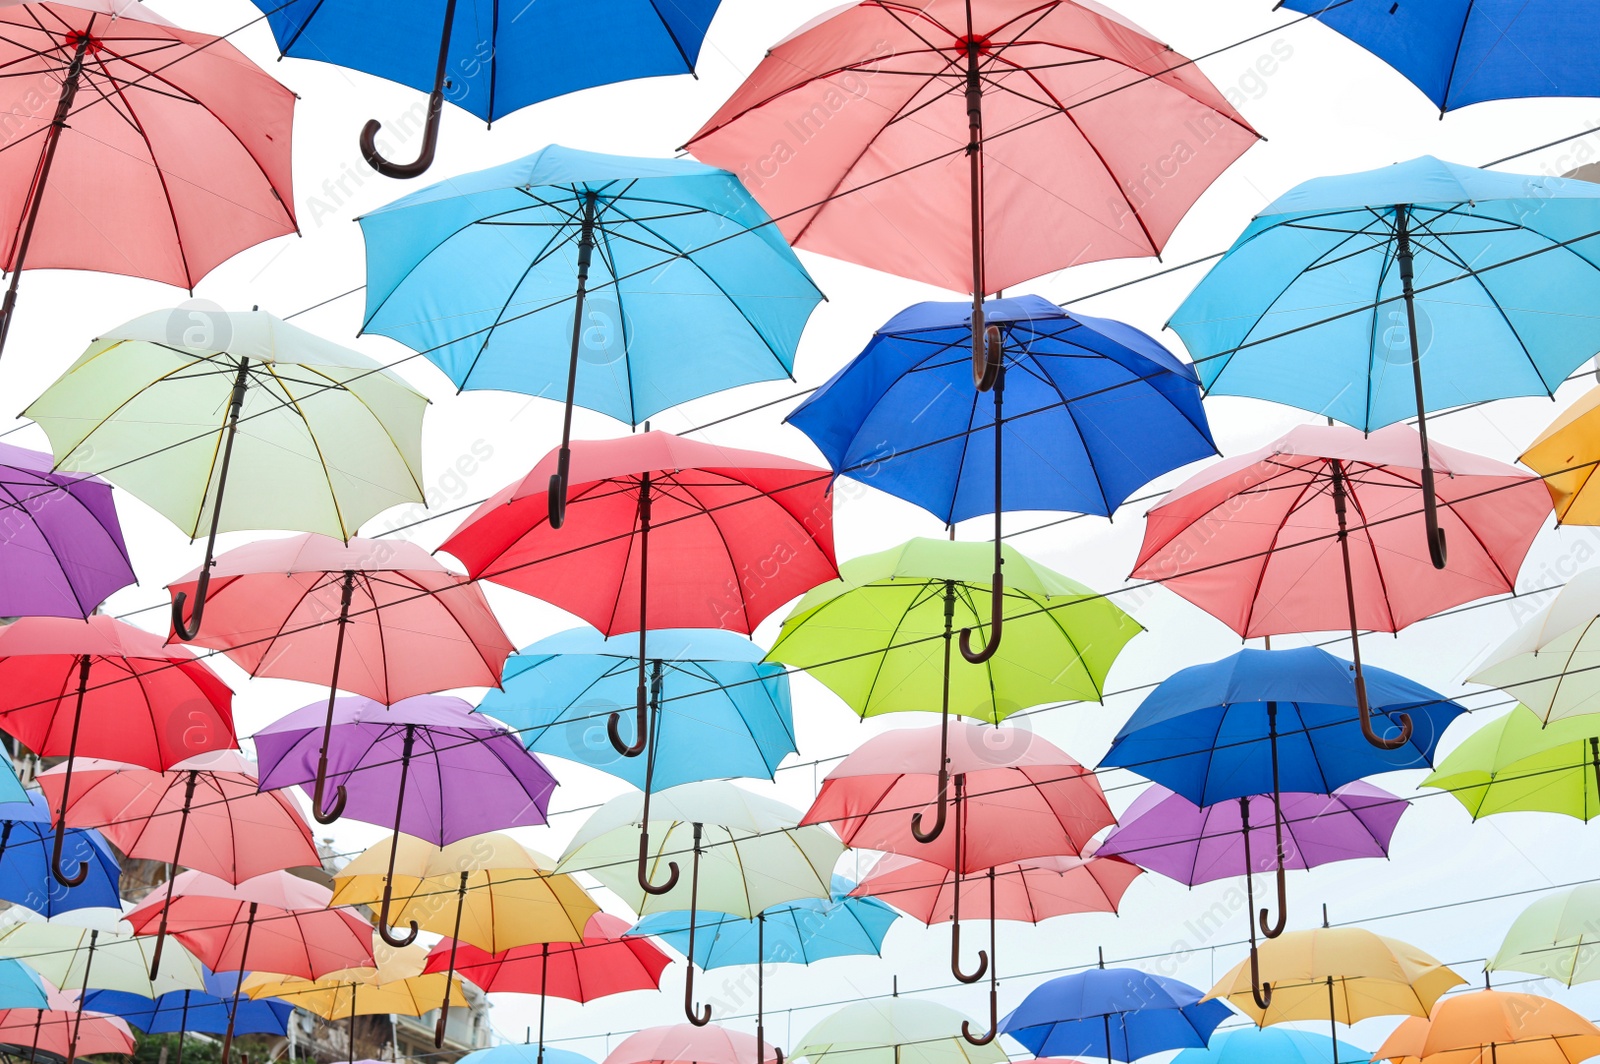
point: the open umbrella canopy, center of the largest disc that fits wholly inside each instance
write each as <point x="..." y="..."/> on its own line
<point x="1096" y="410"/>
<point x="487" y="890"/>
<point x="685" y="1043"/>
<point x="1116" y="1013"/>
<point x="607" y="961"/>
<point x="754" y="854"/>
<point x="66" y="1032"/>
<point x="873" y="635"/>
<point x="1251" y="1045"/>
<point x="1461" y="52"/>
<point x="1551" y="663"/>
<point x="1515" y="1028"/>
<point x="470" y="774"/>
<point x="21" y="987"/>
<point x="227" y="828"/>
<point x="1165" y="832"/>
<point x="1032" y="890"/>
<point x="98" y="950"/>
<point x="340" y="995"/>
<point x="1347" y="974"/>
<point x="899" y="1030"/>
<point x="1566" y="455"/>
<point x="722" y="711"/>
<point x="799" y="932"/>
<point x="1554" y="937"/>
<point x="272" y="923"/>
<point x="62" y="553"/>
<point x="1517" y="763"/>
<point x="205" y="1010"/>
<point x="26" y="838"/>
<point x="513" y="1053"/>
<point x="480" y="273"/>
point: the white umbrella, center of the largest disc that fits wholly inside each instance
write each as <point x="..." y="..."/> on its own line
<point x="1552" y="663"/>
<point x="894" y="1030"/>
<point x="96" y="949"/>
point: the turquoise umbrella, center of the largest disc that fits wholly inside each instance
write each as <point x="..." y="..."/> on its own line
<point x="20" y="986"/>
<point x="1270" y="1045"/>
<point x="1378" y="296"/>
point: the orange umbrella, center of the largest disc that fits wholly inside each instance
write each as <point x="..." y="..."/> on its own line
<point x="1493" y="1027"/>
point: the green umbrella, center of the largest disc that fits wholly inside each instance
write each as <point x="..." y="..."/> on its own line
<point x="897" y="1031"/>
<point x="1555" y="937"/>
<point x="164" y="406"/>
<point x="879" y="636"/>
<point x="1517" y="763"/>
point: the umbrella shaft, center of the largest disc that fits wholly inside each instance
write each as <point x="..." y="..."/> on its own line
<point x="585" y="256"/>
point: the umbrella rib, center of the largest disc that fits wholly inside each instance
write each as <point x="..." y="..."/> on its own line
<point x="609" y="257"/>
<point x="883" y="658"/>
<point x="322" y="460"/>
<point x="961" y="463"/>
<point x="1272" y="550"/>
<point x="1377" y="566"/>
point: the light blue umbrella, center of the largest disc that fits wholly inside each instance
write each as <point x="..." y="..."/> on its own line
<point x="630" y="285"/>
<point x="20" y="986"/>
<point x="524" y="1054"/>
<point x="798" y="932"/>
<point x="27" y="838"/>
<point x="1376" y="296"/>
<point x="1270" y="1045"/>
<point x="718" y="710"/>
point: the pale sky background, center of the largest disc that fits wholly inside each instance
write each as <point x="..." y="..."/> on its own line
<point x="1324" y="106"/>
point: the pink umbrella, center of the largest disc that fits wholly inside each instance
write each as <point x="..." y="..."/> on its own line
<point x="139" y="148"/>
<point x="684" y="1043"/>
<point x="401" y="623"/>
<point x="1319" y="531"/>
<point x="864" y="132"/>
<point x="65" y="1031"/>
<point x="210" y="801"/>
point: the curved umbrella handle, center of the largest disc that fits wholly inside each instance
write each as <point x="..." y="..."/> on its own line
<point x="383" y="924"/>
<point x="1366" y="719"/>
<point x="941" y="812"/>
<point x="187" y="630"/>
<point x="1273" y="930"/>
<point x="994" y="1022"/>
<point x="644" y="871"/>
<point x="557" y="492"/>
<point x="1262" y="992"/>
<point x="703" y="1016"/>
<point x="986" y="355"/>
<point x="955" y="957"/>
<point x="321" y="815"/>
<point x="641" y="728"/>
<point x="444" y="1015"/>
<point x="55" y="859"/>
<point x="996" y="608"/>
<point x="430" y="130"/>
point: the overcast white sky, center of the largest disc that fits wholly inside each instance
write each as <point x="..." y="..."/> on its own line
<point x="1325" y="107"/>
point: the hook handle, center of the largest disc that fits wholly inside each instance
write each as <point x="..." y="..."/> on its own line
<point x="1273" y="930"/>
<point x="1430" y="516"/>
<point x="644" y="871"/>
<point x="1262" y="992"/>
<point x="986" y="353"/>
<point x="383" y="922"/>
<point x="994" y="1022"/>
<point x="955" y="957"/>
<point x="996" y="608"/>
<point x="703" y="1016"/>
<point x="55" y="859"/>
<point x="444" y="1015"/>
<point x="187" y="630"/>
<point x="641" y="726"/>
<point x="321" y="815"/>
<point x="941" y="812"/>
<point x="430" y="130"/>
<point x="1366" y="719"/>
<point x="557" y="493"/>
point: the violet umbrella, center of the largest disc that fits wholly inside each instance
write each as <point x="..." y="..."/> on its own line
<point x="472" y="774"/>
<point x="1166" y="833"/>
<point x="379" y="618"/>
<point x="61" y="548"/>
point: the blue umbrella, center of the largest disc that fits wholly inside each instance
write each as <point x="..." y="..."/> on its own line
<point x="1333" y="296"/>
<point x="21" y="987"/>
<point x="1099" y="409"/>
<point x="1270" y="1045"/>
<point x="1461" y="52"/>
<point x="11" y="790"/>
<point x="1269" y="721"/>
<point x="719" y="710"/>
<point x="180" y="1011"/>
<point x="27" y="837"/>
<point x="492" y="58"/>
<point x="523" y="1054"/>
<point x="693" y="289"/>
<point x="1117" y="1013"/>
<point x="797" y="932"/>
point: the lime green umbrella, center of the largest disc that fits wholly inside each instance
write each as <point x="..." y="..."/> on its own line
<point x="1517" y="763"/>
<point x="879" y="636"/>
<point x="1557" y="937"/>
<point x="163" y="406"/>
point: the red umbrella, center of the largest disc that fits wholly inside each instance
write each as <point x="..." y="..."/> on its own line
<point x="103" y="688"/>
<point x="733" y="535"/>
<point x="1031" y="890"/>
<point x="211" y="802"/>
<point x="134" y="146"/>
<point x="65" y="1032"/>
<point x="1004" y="119"/>
<point x="1014" y="800"/>
<point x="607" y="961"/>
<point x="402" y="624"/>
<point x="272" y="923"/>
<point x="1319" y="531"/>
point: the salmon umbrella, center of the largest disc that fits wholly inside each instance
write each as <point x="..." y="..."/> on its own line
<point x="685" y="1043"/>
<point x="505" y="894"/>
<point x="1493" y="1025"/>
<point x="733" y="535"/>
<point x="238" y="833"/>
<point x="66" y="1031"/>
<point x="606" y="961"/>
<point x="401" y="624"/>
<point x="61" y="548"/>
<point x="448" y="772"/>
<point x="108" y="95"/>
<point x="130" y="697"/>
<point x="1080" y="102"/>
<point x="1316" y="532"/>
<point x="275" y="922"/>
<point x="1027" y="799"/>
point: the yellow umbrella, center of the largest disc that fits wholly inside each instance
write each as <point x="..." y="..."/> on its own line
<point x="1493" y="1027"/>
<point x="1341" y="974"/>
<point x="489" y="890"/>
<point x="1566" y="454"/>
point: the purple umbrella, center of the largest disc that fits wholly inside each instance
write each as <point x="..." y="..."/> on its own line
<point x="61" y="549"/>
<point x="447" y="771"/>
<point x="1166" y="833"/>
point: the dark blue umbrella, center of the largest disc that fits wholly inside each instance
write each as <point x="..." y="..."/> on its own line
<point x="1461" y="52"/>
<point x="180" y="1011"/>
<point x="1097" y="409"/>
<point x="490" y="58"/>
<point x="27" y="836"/>
<point x="1269" y="721"/>
<point x="1116" y="1013"/>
